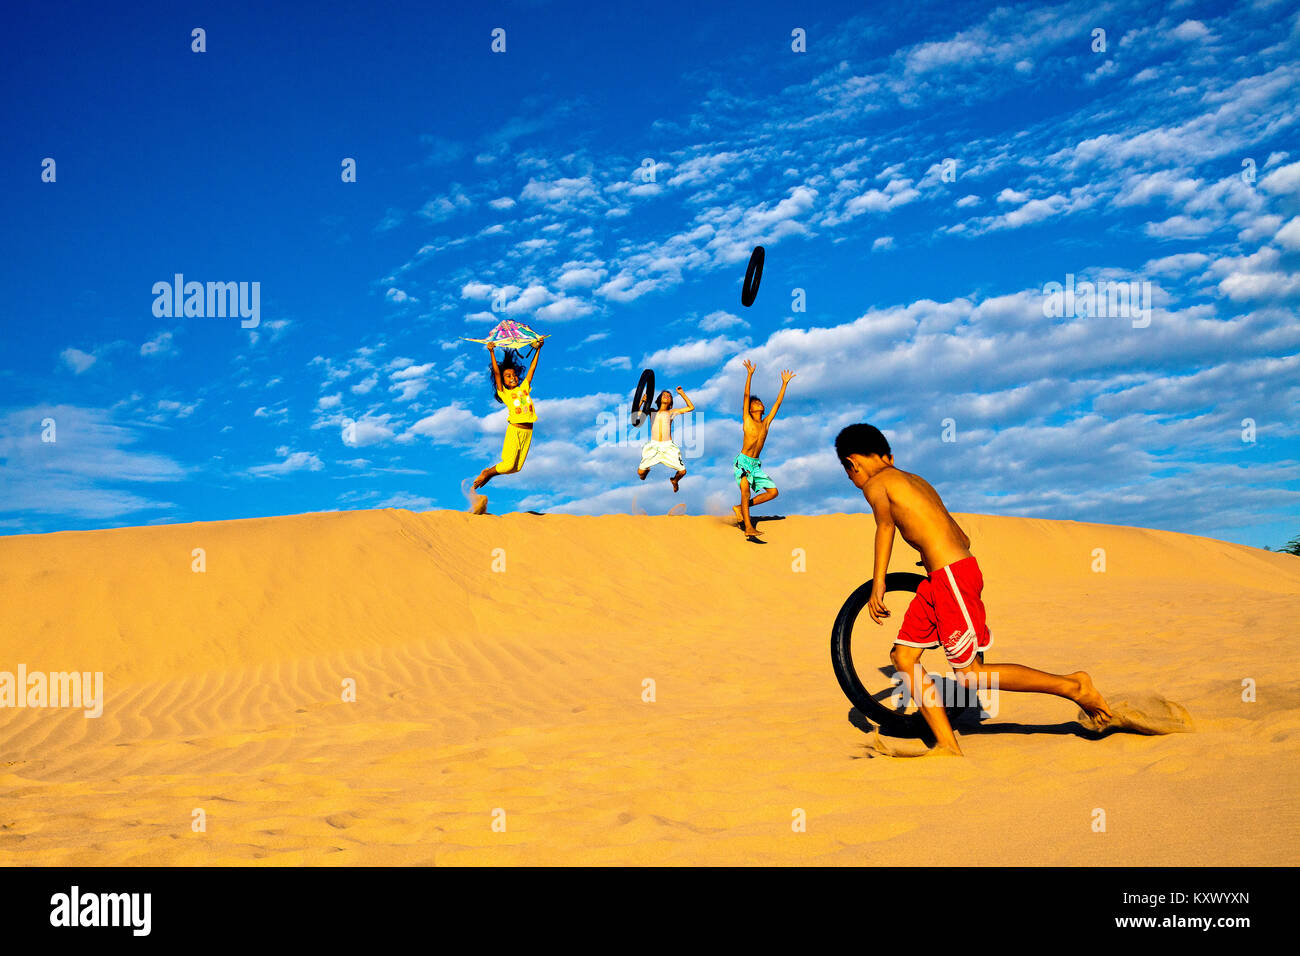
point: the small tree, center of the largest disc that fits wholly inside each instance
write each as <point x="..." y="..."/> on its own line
<point x="1291" y="547"/>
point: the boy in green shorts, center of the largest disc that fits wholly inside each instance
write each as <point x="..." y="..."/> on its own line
<point x="748" y="469"/>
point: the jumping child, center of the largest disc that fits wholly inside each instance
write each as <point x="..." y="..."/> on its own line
<point x="517" y="397"/>
<point x="947" y="610"/>
<point x="748" y="469"/>
<point x="661" y="449"/>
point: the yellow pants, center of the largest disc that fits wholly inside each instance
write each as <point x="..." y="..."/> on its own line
<point x="514" y="450"/>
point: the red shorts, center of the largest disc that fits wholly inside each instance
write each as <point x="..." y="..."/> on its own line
<point x="947" y="612"/>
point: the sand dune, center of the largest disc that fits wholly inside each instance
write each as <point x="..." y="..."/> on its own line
<point x="521" y="689"/>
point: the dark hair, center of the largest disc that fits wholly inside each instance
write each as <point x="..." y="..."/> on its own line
<point x="861" y="439"/>
<point x="755" y="398"/>
<point x="506" y="362"/>
<point x="661" y="398"/>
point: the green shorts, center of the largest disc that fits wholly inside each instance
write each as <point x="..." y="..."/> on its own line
<point x="752" y="469"/>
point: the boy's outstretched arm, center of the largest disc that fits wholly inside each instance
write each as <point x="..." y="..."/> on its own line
<point x="690" y="406"/>
<point x="532" y="366"/>
<point x="878" y="498"/>
<point x="780" y="396"/>
<point x="496" y="370"/>
<point x="744" y="410"/>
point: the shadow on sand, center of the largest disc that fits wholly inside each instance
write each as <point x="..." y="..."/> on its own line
<point x="967" y="719"/>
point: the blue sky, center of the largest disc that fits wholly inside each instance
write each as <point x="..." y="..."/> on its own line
<point x="519" y="178"/>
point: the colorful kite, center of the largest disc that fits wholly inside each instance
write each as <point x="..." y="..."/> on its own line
<point x="509" y="334"/>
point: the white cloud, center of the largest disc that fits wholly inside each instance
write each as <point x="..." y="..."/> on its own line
<point x="442" y="208"/>
<point x="1247" y="286"/>
<point x="160" y="344"/>
<point x="560" y="194"/>
<point x="452" y="423"/>
<point x="169" y="407"/>
<point x="79" y="475"/>
<point x="1281" y="181"/>
<point x="720" y="320"/>
<point x="700" y="170"/>
<point x="295" y="461"/>
<point x="410" y="381"/>
<point x="694" y="354"/>
<point x="897" y="193"/>
<point x="1142" y="188"/>
<point x="367" y="430"/>
<point x="564" y="309"/>
<point x="1190" y="30"/>
<point x="1288" y="237"/>
<point x="1036" y="210"/>
<point x="1176" y="264"/>
<point x="77" y="360"/>
<point x="1179" y="227"/>
<point x="580" y="276"/>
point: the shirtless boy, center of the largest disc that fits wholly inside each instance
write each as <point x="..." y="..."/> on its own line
<point x="947" y="610"/>
<point x="661" y="449"/>
<point x="748" y="469"/>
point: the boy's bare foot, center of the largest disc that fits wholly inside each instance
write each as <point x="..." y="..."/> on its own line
<point x="740" y="518"/>
<point x="675" y="479"/>
<point x="750" y="532"/>
<point x="1090" y="699"/>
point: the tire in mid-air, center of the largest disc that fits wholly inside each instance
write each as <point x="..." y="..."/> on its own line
<point x="643" y="397"/>
<point x="875" y="707"/>
<point x="753" y="276"/>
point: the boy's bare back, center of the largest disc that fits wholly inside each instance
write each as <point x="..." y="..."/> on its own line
<point x="911" y="504"/>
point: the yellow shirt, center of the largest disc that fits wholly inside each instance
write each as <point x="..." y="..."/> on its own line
<point x="519" y="404"/>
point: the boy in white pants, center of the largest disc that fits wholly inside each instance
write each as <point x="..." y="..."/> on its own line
<point x="661" y="449"/>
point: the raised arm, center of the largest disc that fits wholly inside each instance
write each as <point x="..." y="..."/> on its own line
<point x="496" y="370"/>
<point x="749" y="366"/>
<point x="780" y="396"/>
<point x="878" y="498"/>
<point x="532" y="367"/>
<point x="690" y="406"/>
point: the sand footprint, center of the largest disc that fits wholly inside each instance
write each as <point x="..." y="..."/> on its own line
<point x="900" y="746"/>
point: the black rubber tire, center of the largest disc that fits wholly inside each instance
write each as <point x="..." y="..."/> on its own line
<point x="888" y="719"/>
<point x="643" y="397"/>
<point x="753" y="276"/>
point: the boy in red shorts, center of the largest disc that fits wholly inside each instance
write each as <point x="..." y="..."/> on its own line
<point x="947" y="611"/>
